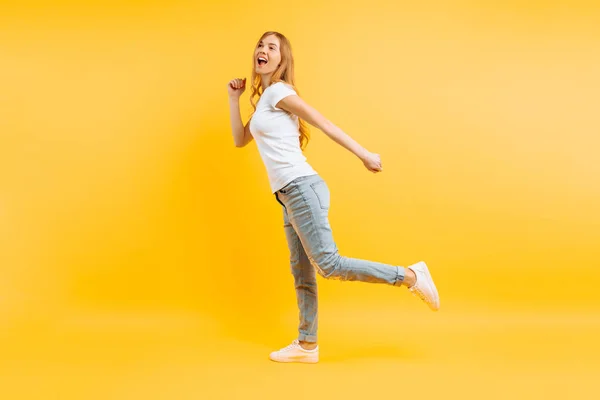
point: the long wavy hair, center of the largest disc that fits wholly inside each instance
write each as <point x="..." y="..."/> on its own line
<point x="283" y="73"/>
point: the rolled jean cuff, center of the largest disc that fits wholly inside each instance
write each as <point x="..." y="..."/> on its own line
<point x="399" y="277"/>
<point x="307" y="338"/>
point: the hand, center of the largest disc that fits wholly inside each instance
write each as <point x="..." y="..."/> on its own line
<point x="236" y="87"/>
<point x="373" y="162"/>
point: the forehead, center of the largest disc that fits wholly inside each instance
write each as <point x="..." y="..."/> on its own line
<point x="271" y="39"/>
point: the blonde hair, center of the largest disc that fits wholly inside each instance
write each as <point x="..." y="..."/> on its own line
<point x="283" y="73"/>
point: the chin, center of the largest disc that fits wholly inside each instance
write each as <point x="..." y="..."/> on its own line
<point x="262" y="71"/>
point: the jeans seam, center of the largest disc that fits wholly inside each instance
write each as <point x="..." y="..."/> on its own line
<point x="312" y="217"/>
<point x="298" y="250"/>
<point x="297" y="243"/>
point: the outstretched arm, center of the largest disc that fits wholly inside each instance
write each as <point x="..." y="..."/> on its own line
<point x="297" y="106"/>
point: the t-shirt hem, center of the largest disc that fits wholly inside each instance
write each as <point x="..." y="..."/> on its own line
<point x="289" y="180"/>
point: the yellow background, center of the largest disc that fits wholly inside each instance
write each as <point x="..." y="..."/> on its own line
<point x="142" y="255"/>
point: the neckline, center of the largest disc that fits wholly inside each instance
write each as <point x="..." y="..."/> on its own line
<point x="267" y="88"/>
<point x="271" y="85"/>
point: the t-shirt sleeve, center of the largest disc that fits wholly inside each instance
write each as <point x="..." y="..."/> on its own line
<point x="279" y="91"/>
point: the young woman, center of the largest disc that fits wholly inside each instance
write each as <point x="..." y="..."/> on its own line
<point x="278" y="126"/>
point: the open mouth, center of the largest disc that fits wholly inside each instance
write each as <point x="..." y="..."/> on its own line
<point x="262" y="61"/>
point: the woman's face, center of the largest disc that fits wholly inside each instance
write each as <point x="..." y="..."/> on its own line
<point x="267" y="50"/>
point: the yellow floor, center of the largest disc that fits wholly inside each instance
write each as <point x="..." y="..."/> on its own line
<point x="368" y="351"/>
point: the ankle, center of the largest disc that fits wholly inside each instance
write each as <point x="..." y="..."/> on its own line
<point x="308" y="345"/>
<point x="409" y="278"/>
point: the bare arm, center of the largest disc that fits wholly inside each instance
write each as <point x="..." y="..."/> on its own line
<point x="241" y="133"/>
<point x="296" y="105"/>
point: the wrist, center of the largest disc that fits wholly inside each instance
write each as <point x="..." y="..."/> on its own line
<point x="362" y="153"/>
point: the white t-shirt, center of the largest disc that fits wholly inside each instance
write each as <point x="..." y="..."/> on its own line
<point x="277" y="137"/>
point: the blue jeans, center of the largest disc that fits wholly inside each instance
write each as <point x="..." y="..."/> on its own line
<point x="305" y="203"/>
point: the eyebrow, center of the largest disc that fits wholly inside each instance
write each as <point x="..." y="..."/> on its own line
<point x="269" y="43"/>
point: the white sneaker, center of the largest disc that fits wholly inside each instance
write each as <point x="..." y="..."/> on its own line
<point x="295" y="353"/>
<point x="424" y="288"/>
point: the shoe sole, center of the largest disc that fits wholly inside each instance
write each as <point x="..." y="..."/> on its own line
<point x="298" y="360"/>
<point x="426" y="270"/>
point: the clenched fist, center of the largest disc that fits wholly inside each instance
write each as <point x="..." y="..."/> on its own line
<point x="236" y="87"/>
<point x="373" y="162"/>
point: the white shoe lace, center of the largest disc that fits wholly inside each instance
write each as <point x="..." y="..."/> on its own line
<point x="293" y="345"/>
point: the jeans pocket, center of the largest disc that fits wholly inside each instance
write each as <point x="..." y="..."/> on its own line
<point x="322" y="191"/>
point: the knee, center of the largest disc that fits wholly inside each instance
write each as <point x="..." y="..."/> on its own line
<point x="329" y="266"/>
<point x="303" y="273"/>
